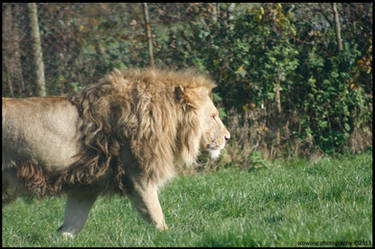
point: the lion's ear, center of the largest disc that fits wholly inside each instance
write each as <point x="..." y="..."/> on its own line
<point x="184" y="96"/>
<point x="179" y="93"/>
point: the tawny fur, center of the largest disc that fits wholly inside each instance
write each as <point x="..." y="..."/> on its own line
<point x="152" y="113"/>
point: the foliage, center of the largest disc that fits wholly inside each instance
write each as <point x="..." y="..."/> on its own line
<point x="263" y="56"/>
<point x="262" y="51"/>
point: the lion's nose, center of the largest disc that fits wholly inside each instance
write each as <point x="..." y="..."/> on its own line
<point x="227" y="137"/>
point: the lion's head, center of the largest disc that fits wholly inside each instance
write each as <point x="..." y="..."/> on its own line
<point x="163" y="118"/>
<point x="214" y="132"/>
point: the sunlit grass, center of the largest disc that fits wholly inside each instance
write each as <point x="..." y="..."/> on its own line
<point x="282" y="205"/>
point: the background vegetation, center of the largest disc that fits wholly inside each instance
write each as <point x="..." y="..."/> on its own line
<point x="289" y="82"/>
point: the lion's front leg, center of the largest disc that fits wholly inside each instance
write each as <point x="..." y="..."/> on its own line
<point x="76" y="211"/>
<point x="145" y="199"/>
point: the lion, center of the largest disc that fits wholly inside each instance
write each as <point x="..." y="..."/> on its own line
<point x="128" y="134"/>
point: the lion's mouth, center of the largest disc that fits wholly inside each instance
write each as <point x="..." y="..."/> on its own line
<point x="214" y="154"/>
<point x="214" y="150"/>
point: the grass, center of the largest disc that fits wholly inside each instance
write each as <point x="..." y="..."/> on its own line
<point x="286" y="204"/>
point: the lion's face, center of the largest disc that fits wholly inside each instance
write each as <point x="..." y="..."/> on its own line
<point x="214" y="133"/>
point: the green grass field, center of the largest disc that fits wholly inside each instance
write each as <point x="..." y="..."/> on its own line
<point x="286" y="204"/>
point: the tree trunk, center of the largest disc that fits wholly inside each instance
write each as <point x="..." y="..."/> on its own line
<point x="214" y="12"/>
<point x="12" y="52"/>
<point x="36" y="49"/>
<point x="230" y="16"/>
<point x="148" y="34"/>
<point x="278" y="112"/>
<point x="337" y="27"/>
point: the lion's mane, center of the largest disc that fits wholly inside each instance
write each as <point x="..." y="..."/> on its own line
<point x="148" y="111"/>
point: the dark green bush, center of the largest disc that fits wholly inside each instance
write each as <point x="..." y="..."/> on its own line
<point x="280" y="61"/>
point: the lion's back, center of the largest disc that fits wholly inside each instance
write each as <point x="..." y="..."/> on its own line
<point x="39" y="130"/>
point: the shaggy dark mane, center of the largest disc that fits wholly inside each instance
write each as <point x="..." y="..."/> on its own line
<point x="133" y="108"/>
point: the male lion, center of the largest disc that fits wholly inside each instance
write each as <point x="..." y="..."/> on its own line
<point x="123" y="135"/>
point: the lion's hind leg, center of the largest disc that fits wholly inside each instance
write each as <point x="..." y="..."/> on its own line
<point x="145" y="199"/>
<point x="77" y="209"/>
